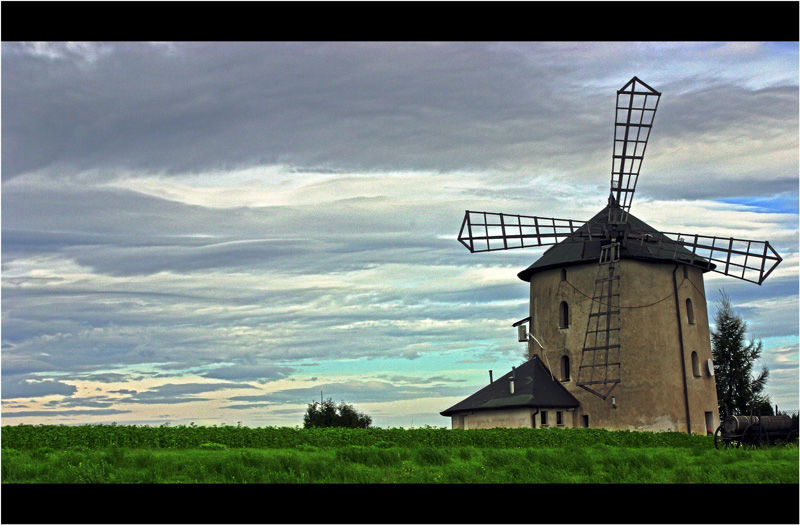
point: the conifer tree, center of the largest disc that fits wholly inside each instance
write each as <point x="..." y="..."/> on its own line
<point x="738" y="391"/>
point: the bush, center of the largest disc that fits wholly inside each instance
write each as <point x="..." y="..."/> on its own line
<point x="212" y="446"/>
<point x="328" y="414"/>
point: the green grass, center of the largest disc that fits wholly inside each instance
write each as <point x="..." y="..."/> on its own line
<point x="231" y="455"/>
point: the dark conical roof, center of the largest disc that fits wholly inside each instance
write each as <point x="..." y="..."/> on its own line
<point x="533" y="386"/>
<point x="577" y="250"/>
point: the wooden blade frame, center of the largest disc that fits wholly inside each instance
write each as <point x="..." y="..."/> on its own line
<point x="636" y="108"/>
<point x="748" y="260"/>
<point x="485" y="231"/>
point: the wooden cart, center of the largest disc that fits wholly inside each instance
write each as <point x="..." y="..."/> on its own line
<point x="754" y="431"/>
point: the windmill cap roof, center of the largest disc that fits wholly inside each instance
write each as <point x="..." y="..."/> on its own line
<point x="534" y="386"/>
<point x="576" y="249"/>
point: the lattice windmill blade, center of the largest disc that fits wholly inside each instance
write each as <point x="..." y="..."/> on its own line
<point x="486" y="231"/>
<point x="599" y="370"/>
<point x="636" y="108"/>
<point x="743" y="259"/>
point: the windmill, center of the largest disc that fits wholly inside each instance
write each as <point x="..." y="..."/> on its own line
<point x="613" y="235"/>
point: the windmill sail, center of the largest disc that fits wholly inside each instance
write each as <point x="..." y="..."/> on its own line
<point x="636" y="108"/>
<point x="485" y="231"/>
<point x="743" y="259"/>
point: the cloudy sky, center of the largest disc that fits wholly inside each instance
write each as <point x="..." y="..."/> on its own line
<point x="225" y="232"/>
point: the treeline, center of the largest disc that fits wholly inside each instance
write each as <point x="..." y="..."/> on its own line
<point x="60" y="437"/>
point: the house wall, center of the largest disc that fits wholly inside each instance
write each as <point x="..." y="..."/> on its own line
<point x="511" y="418"/>
<point x="656" y="376"/>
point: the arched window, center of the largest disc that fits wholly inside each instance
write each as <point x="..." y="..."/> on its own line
<point x="563" y="274"/>
<point x="563" y="315"/>
<point x="565" y="368"/>
<point x="695" y="365"/>
<point x="689" y="311"/>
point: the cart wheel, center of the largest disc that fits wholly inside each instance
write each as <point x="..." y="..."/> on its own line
<point x="721" y="442"/>
<point x="792" y="436"/>
<point x="754" y="436"/>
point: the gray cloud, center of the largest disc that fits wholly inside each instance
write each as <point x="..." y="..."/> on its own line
<point x="260" y="373"/>
<point x="178" y="393"/>
<point x="352" y="392"/>
<point x="195" y="106"/>
<point x="20" y="386"/>
<point x="51" y="414"/>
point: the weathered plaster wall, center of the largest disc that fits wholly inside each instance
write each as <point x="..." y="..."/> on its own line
<point x="510" y="418"/>
<point x="656" y="375"/>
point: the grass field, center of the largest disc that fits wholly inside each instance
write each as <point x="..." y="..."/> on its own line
<point x="227" y="474"/>
<point x="231" y="455"/>
<point x="370" y="464"/>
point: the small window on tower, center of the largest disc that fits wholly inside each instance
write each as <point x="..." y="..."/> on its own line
<point x="689" y="311"/>
<point x="563" y="315"/>
<point x="565" y="368"/>
<point x="563" y="274"/>
<point x="695" y="365"/>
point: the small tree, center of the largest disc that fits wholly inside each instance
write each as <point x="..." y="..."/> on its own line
<point x="328" y="414"/>
<point x="738" y="391"/>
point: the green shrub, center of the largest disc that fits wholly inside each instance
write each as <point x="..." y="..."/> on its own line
<point x="212" y="446"/>
<point x="91" y="437"/>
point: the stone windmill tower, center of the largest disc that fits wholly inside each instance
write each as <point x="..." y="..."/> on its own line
<point x="618" y="308"/>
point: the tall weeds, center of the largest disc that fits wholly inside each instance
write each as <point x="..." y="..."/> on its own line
<point x="99" y="455"/>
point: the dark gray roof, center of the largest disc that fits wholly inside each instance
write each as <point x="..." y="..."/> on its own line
<point x="576" y="250"/>
<point x="533" y="387"/>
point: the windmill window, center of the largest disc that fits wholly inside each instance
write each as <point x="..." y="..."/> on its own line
<point x="685" y="272"/>
<point x="689" y="311"/>
<point x="563" y="274"/>
<point x="563" y="315"/>
<point x="565" y="368"/>
<point x="695" y="365"/>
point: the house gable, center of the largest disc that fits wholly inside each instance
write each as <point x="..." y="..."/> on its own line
<point x="534" y="386"/>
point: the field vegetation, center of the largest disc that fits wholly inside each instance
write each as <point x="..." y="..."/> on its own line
<point x="229" y="454"/>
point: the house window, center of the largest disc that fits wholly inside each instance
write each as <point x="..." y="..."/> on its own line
<point x="559" y="418"/>
<point x="563" y="315"/>
<point x="563" y="274"/>
<point x="565" y="368"/>
<point x="543" y="418"/>
<point x="695" y="365"/>
<point x="689" y="311"/>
